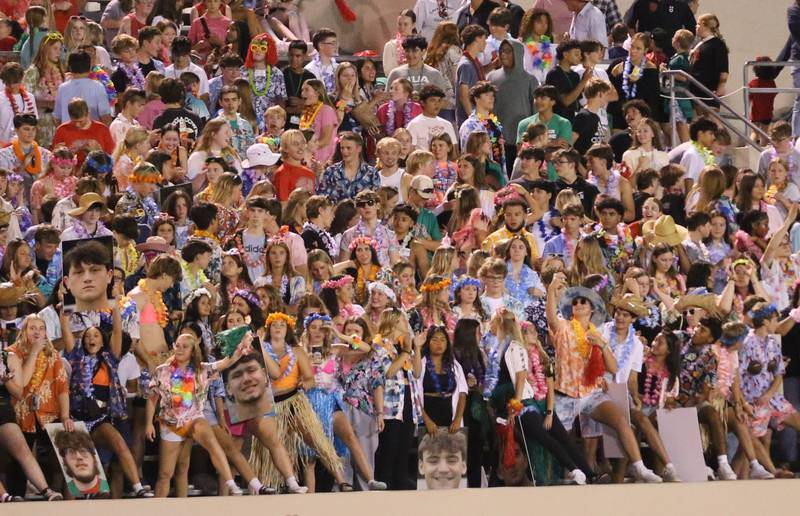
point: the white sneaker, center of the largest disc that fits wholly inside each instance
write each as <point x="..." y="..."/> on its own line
<point x="758" y="472"/>
<point x="725" y="472"/>
<point x="298" y="490"/>
<point x="710" y="474"/>
<point x="577" y="476"/>
<point x="376" y="485"/>
<point x="647" y="475"/>
<point x="235" y="491"/>
<point x="670" y="474"/>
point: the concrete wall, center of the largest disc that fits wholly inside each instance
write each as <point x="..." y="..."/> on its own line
<point x="751" y="28"/>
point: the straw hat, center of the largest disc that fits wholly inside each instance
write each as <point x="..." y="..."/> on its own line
<point x="88" y="200"/>
<point x="707" y="302"/>
<point x="632" y="304"/>
<point x="10" y="295"/>
<point x="155" y="244"/>
<point x="599" y="312"/>
<point x="664" y="230"/>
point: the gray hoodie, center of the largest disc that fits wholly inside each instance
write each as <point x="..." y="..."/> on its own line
<point x="515" y="87"/>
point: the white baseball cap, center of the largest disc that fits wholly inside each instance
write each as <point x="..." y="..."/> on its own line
<point x="259" y="154"/>
<point x="423" y="186"/>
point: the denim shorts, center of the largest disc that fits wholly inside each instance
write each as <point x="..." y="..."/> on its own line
<point x="569" y="408"/>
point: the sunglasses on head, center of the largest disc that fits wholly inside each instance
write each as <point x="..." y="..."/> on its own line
<point x="369" y="202"/>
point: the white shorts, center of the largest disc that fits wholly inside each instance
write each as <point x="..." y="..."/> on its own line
<point x="569" y="408"/>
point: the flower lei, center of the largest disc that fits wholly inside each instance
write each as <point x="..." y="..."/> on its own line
<point x="623" y="359"/>
<point x="38" y="372"/>
<point x="612" y="184"/>
<point x="292" y="359"/>
<point x="309" y="115"/>
<point x="35" y="166"/>
<point x="654" y="379"/>
<point x="327" y="75"/>
<point x="595" y="367"/>
<point x="769" y="197"/>
<point x="262" y="92"/>
<point x="541" y="52"/>
<point x="280" y="316"/>
<point x="630" y="89"/>
<point x="202" y="233"/>
<point x="182" y="386"/>
<point x="362" y="279"/>
<point x="401" y="53"/>
<point x="157" y="300"/>
<point x="81" y="230"/>
<point x="284" y="288"/>
<point x="330" y="244"/>
<point x="705" y="153"/>
<point x="542" y="227"/>
<point x="435" y="287"/>
<point x="622" y="244"/>
<point x="101" y="76"/>
<point x="134" y="75"/>
<point x="389" y="127"/>
<point x="129" y="259"/>
<point x="63" y="187"/>
<point x="437" y="384"/>
<point x="27" y="101"/>
<point x="341" y="282"/>
<point x="536" y="377"/>
<point x="260" y="261"/>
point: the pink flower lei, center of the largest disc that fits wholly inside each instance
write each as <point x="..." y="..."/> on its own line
<point x="652" y="383"/>
<point x="401" y="53"/>
<point x="341" y="282"/>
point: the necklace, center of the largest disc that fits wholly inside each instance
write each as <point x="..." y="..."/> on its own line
<point x="38" y="372"/>
<point x="309" y="115"/>
<point x="363" y="278"/>
<point x="182" y="384"/>
<point x="285" y="371"/>
<point x="259" y="92"/>
<point x="83" y="233"/>
<point x="630" y="89"/>
<point x="133" y="74"/>
<point x="541" y="52"/>
<point x="27" y="101"/>
<point x="584" y="348"/>
<point x="705" y="153"/>
<point x="437" y="384"/>
<point x="203" y="233"/>
<point x="398" y="45"/>
<point x="624" y="354"/>
<point x="129" y="258"/>
<point x="157" y="300"/>
<point x="653" y="381"/>
<point x="390" y="116"/>
<point x="33" y="168"/>
<point x="252" y="263"/>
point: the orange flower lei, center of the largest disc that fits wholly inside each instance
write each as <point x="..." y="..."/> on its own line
<point x="309" y="114"/>
<point x="157" y="299"/>
<point x="202" y="233"/>
<point x="433" y="287"/>
<point x="362" y="279"/>
<point x="769" y="197"/>
<point x="38" y="372"/>
<point x="580" y="338"/>
<point x="35" y="167"/>
<point x="280" y="316"/>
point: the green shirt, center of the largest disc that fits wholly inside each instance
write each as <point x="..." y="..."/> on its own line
<point x="428" y="221"/>
<point x="558" y="128"/>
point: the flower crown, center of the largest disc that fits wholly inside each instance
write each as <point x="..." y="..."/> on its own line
<point x="363" y="240"/>
<point x="763" y="313"/>
<point x="384" y="288"/>
<point x="731" y="340"/>
<point x="248" y="296"/>
<point x="100" y="168"/>
<point x="315" y="317"/>
<point x="341" y="282"/>
<point x="468" y="281"/>
<point x="435" y="287"/>
<point x="64" y="162"/>
<point x="165" y="217"/>
<point x="280" y="316"/>
<point x="197" y="293"/>
<point x="15" y="178"/>
<point x="280" y="236"/>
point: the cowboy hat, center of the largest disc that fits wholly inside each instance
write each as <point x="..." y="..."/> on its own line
<point x="10" y="295"/>
<point x="599" y="313"/>
<point x="630" y="303"/>
<point x="707" y="302"/>
<point x="664" y="230"/>
<point x="86" y="201"/>
<point x="154" y="244"/>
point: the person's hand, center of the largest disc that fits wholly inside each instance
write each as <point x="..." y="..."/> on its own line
<point x="637" y="403"/>
<point x="720" y="90"/>
<point x="471" y="381"/>
<point x="379" y="422"/>
<point x="117" y="291"/>
<point x="644" y="162"/>
<point x="764" y="399"/>
<point x="747" y="409"/>
<point x="150" y="431"/>
<point x="223" y="425"/>
<point x="69" y="425"/>
<point x="663" y="67"/>
<point x="419" y="341"/>
<point x="455" y="426"/>
<point x="431" y="427"/>
<point x="588" y="73"/>
<point x="558" y="284"/>
<point x="548" y="422"/>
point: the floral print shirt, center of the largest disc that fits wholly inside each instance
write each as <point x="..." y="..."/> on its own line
<point x="518" y="288"/>
<point x="760" y="361"/>
<point x="385" y="237"/>
<point x="698" y="371"/>
<point x="362" y="378"/>
<point x="275" y="91"/>
<point x="39" y="402"/>
<point x="337" y="187"/>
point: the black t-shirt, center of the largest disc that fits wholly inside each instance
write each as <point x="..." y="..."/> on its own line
<point x="564" y="82"/>
<point x="193" y="122"/>
<point x="620" y="142"/>
<point x="479" y="17"/>
<point x="294" y="82"/>
<point x="590" y="129"/>
<point x="708" y="62"/>
<point x="147" y="68"/>
<point x="585" y="191"/>
<point x="670" y="15"/>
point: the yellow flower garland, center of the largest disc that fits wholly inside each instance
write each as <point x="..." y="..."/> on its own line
<point x="584" y="348"/>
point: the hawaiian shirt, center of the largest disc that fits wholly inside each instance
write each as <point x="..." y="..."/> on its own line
<point x="243" y="136"/>
<point x="214" y="269"/>
<point x="363" y="378"/>
<point x="39" y="402"/>
<point x="47" y="283"/>
<point x="143" y="209"/>
<point x="570" y="366"/>
<point x="385" y="237"/>
<point x="445" y="174"/>
<point x="503" y="234"/>
<point x="271" y="81"/>
<point x="80" y="393"/>
<point x="760" y="361"/>
<point x="617" y="248"/>
<point x="490" y="126"/>
<point x="698" y="370"/>
<point x="518" y="289"/>
<point x="395" y="388"/>
<point x="337" y="187"/>
<point x="179" y="415"/>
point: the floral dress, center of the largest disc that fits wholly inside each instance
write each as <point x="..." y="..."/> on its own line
<point x="359" y="380"/>
<point x="44" y="89"/>
<point x="760" y="362"/>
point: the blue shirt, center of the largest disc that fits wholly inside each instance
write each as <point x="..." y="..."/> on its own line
<point x="89" y="90"/>
<point x="337" y="187"/>
<point x="528" y="278"/>
<point x="558" y="246"/>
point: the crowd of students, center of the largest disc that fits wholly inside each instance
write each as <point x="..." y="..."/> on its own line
<point x="487" y="238"/>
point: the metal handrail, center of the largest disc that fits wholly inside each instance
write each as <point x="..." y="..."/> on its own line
<point x="673" y="101"/>
<point x="746" y="90"/>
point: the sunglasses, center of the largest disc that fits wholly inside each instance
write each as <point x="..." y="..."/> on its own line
<point x="690" y="311"/>
<point x="370" y="202"/>
<point x="82" y="18"/>
<point x="580" y="301"/>
<point x="260" y="47"/>
<point x="425" y="190"/>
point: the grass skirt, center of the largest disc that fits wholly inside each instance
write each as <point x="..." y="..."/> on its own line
<point x="295" y="419"/>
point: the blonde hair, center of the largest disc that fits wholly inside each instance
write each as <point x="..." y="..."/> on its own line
<point x="417" y="160"/>
<point x="22" y="338"/>
<point x="276" y="110"/>
<point x="224" y="187"/>
<point x="388" y="141"/>
<point x="122" y="42"/>
<point x="211" y="128"/>
<point x="566" y="197"/>
<point x="95" y="31"/>
<point x="711" y="22"/>
<point x="246" y="105"/>
<point x="70" y="43"/>
<point x="390" y="321"/>
<point x="587" y="260"/>
<point x="290" y="137"/>
<point x="151" y="84"/>
<point x="442" y="261"/>
<point x="133" y="137"/>
<point x="354" y="91"/>
<point x="684" y="38"/>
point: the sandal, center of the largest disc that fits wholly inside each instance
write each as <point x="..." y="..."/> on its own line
<point x="344" y="487"/>
<point x="9" y="498"/>
<point x="143" y="493"/>
<point x="52" y="496"/>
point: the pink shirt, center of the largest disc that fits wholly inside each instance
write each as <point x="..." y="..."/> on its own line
<point x="562" y="16"/>
<point x="150" y="112"/>
<point x="325" y="118"/>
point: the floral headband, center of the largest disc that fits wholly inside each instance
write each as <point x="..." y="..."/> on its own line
<point x="341" y="282"/>
<point x="383" y="288"/>
<point x="435" y="287"/>
<point x="247" y="296"/>
<point x="64" y="162"/>
<point x="315" y="317"/>
<point x="14" y="178"/>
<point x="363" y="240"/>
<point x="280" y="236"/>
<point x="763" y="313"/>
<point x="196" y="294"/>
<point x="468" y="281"/>
<point x="731" y="340"/>
<point x="165" y="217"/>
<point x="280" y="316"/>
<point x="145" y="178"/>
<point x="100" y="168"/>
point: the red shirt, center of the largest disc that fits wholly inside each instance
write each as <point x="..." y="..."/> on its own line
<point x="288" y="176"/>
<point x="79" y="140"/>
<point x="762" y="104"/>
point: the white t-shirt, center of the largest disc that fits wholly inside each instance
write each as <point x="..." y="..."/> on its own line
<point x="423" y="128"/>
<point x="626" y="361"/>
<point x="171" y="72"/>
<point x="395" y="180"/>
<point x="127" y="370"/>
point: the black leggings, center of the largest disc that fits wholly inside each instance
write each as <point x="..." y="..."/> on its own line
<point x="394" y="445"/>
<point x="475" y="445"/>
<point x="556" y="441"/>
